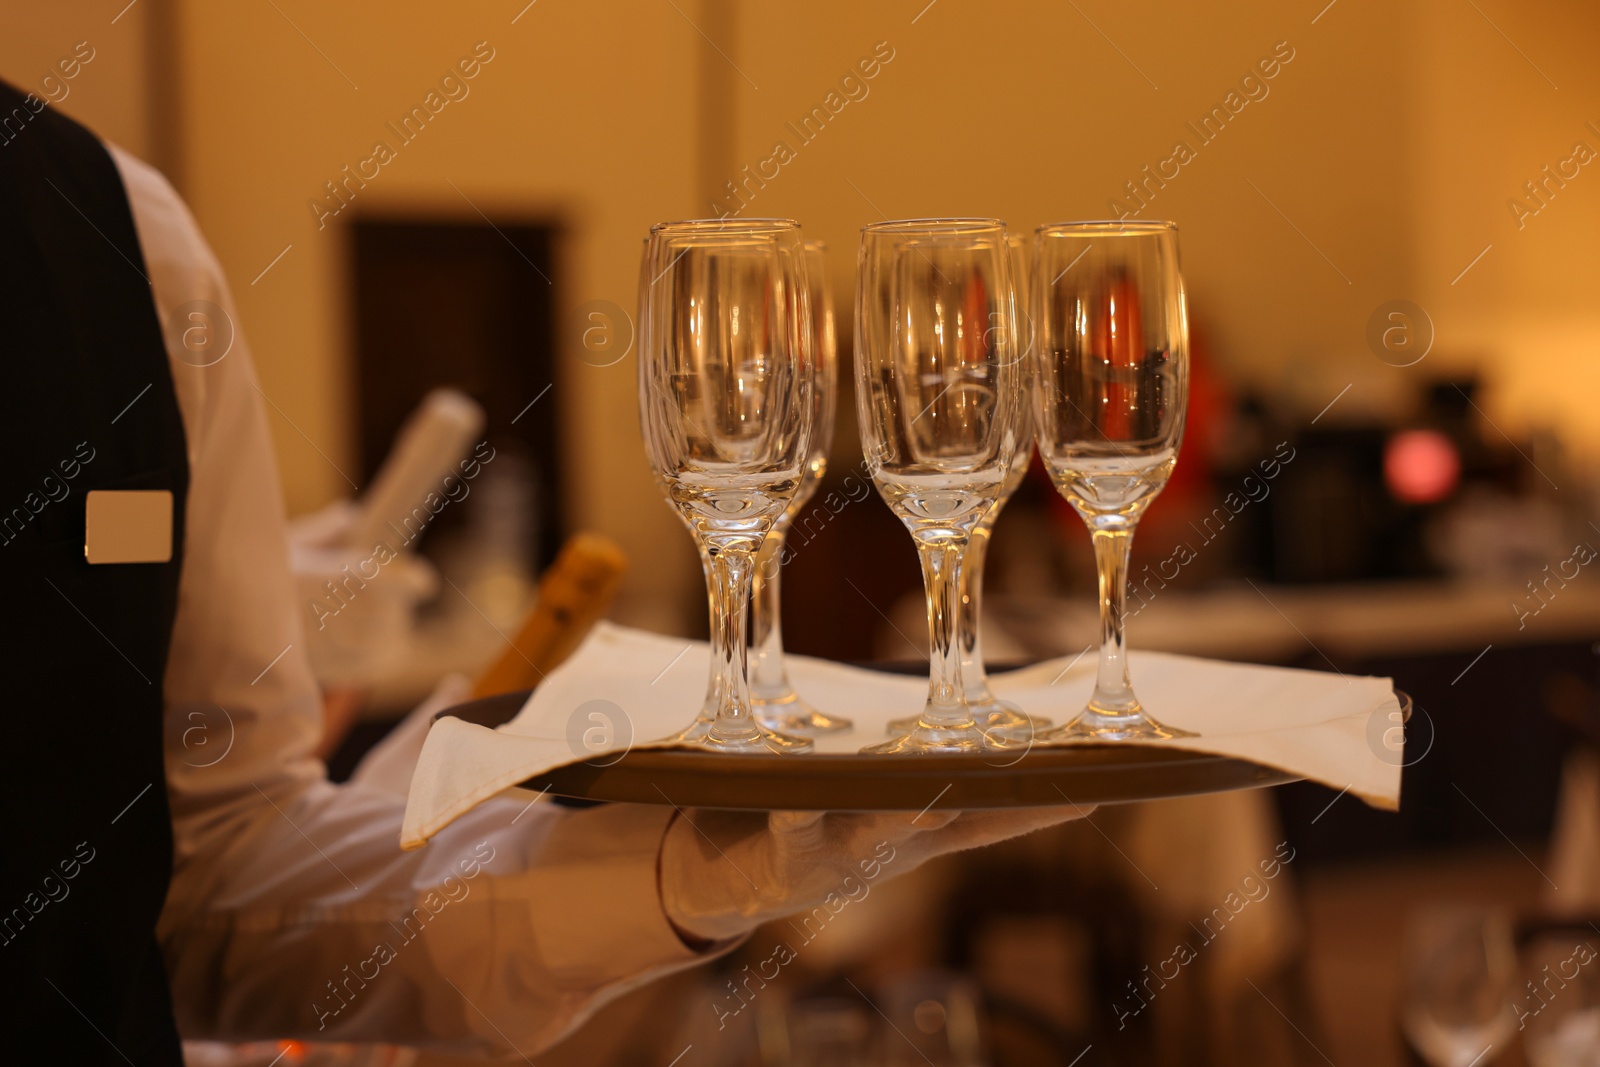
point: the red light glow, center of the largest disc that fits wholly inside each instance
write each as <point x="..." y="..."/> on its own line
<point x="1421" y="466"/>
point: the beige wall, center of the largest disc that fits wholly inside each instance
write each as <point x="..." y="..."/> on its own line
<point x="1391" y="142"/>
<point x="1529" y="311"/>
<point x="585" y="114"/>
<point x="1025" y="111"/>
<point x="110" y="92"/>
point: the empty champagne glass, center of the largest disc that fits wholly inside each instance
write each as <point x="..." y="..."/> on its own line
<point x="991" y="713"/>
<point x="777" y="705"/>
<point x="1460" y="989"/>
<point x="1112" y="387"/>
<point x="713" y="699"/>
<point x="939" y="388"/>
<point x="725" y="402"/>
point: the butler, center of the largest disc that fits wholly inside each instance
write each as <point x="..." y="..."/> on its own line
<point x="238" y="894"/>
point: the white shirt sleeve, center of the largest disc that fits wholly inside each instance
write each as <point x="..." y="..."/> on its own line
<point x="292" y="910"/>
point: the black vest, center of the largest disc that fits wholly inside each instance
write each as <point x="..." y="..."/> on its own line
<point x="86" y="402"/>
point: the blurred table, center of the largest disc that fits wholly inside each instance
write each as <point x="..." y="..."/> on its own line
<point x="1280" y="624"/>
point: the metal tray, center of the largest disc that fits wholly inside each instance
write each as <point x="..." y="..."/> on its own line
<point x="1076" y="774"/>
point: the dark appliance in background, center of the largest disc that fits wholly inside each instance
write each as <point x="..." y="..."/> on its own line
<point x="468" y="305"/>
<point x="1357" y="502"/>
<point x="1334" y="519"/>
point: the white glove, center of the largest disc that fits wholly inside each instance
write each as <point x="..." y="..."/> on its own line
<point x="723" y="873"/>
<point x="357" y="602"/>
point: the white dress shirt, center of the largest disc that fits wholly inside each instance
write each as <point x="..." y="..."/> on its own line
<point x="292" y="910"/>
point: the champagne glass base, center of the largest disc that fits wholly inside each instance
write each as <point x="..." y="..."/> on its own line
<point x="757" y="740"/>
<point x="923" y="738"/>
<point x="788" y="713"/>
<point x="1093" y="725"/>
<point x="995" y="718"/>
<point x="1006" y="722"/>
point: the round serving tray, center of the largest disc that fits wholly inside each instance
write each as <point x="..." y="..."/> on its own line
<point x="1072" y="774"/>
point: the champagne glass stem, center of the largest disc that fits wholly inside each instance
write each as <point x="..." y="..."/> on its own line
<point x="767" y="676"/>
<point x="973" y="671"/>
<point x="1113" y="693"/>
<point x="941" y="573"/>
<point x="729" y="587"/>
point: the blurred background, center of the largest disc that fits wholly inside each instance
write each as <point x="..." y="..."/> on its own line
<point x="1389" y="228"/>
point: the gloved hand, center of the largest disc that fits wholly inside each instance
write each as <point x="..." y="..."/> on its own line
<point x="723" y="873"/>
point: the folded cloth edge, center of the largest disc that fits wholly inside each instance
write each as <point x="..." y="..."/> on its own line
<point x="415" y="832"/>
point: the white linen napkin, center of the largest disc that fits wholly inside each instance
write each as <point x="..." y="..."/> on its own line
<point x="626" y="688"/>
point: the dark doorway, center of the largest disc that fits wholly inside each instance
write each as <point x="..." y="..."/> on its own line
<point x="467" y="305"/>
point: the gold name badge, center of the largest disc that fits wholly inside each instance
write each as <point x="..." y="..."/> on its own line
<point x="128" y="526"/>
